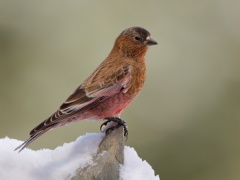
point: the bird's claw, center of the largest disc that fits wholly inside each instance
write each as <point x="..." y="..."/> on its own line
<point x="104" y="124"/>
<point x="119" y="122"/>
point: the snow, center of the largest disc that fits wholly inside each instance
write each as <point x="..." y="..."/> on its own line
<point x="135" y="168"/>
<point x="62" y="162"/>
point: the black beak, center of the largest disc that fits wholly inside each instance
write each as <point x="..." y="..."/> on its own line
<point x="150" y="41"/>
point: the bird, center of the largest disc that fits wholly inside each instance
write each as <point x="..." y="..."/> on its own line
<point x="111" y="87"/>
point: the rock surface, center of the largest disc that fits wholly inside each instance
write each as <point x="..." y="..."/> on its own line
<point x="107" y="160"/>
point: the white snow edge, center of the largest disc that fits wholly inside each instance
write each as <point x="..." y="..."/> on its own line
<point x="61" y="162"/>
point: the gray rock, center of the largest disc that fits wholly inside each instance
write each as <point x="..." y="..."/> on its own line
<point x="107" y="160"/>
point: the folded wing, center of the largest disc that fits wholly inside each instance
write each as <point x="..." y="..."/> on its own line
<point x="96" y="89"/>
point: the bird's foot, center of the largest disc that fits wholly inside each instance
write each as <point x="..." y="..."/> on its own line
<point x="119" y="122"/>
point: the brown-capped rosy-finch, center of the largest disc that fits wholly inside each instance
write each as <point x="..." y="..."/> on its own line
<point x="108" y="90"/>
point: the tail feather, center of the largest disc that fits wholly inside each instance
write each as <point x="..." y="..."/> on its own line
<point x="32" y="138"/>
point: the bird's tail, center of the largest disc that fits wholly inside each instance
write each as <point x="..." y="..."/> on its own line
<point x="32" y="138"/>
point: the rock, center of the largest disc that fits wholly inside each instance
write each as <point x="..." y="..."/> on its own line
<point x="107" y="160"/>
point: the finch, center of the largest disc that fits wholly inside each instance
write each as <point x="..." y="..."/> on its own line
<point x="108" y="90"/>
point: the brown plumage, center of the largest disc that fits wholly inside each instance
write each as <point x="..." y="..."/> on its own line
<point x="109" y="89"/>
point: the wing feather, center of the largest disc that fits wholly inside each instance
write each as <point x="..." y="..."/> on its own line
<point x="89" y="94"/>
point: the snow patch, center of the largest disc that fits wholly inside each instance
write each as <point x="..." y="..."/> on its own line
<point x="62" y="162"/>
<point x="135" y="168"/>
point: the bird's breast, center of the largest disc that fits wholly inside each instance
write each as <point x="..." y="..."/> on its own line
<point x="111" y="107"/>
<point x="138" y="78"/>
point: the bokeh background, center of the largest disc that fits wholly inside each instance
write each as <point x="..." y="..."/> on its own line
<point x="185" y="122"/>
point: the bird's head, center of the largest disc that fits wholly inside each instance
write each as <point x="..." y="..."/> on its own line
<point x="134" y="41"/>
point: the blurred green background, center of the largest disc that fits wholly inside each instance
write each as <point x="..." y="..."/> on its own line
<point x="185" y="122"/>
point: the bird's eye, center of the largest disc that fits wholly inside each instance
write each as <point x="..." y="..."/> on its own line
<point x="137" y="38"/>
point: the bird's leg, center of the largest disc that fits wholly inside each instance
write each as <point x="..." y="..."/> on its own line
<point x="119" y="122"/>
